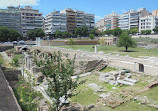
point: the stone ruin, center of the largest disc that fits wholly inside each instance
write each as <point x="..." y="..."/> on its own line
<point x="117" y="77"/>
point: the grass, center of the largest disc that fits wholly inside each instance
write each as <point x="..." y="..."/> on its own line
<point x="85" y="97"/>
<point x="133" y="52"/>
<point x="152" y="93"/>
<point x="108" y="69"/>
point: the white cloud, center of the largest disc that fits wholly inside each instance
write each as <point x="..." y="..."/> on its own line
<point x="5" y="3"/>
<point x="98" y="17"/>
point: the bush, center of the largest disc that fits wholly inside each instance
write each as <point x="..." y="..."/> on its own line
<point x="15" y="61"/>
<point x="91" y="36"/>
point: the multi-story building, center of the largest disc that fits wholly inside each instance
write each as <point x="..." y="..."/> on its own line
<point x="89" y="21"/>
<point x="155" y="12"/>
<point x="55" y="21"/>
<point x="100" y="25"/>
<point x="67" y="20"/>
<point x="111" y="21"/>
<point x="30" y="19"/>
<point x="131" y="19"/>
<point x="71" y="19"/>
<point x="11" y="18"/>
<point x="148" y="23"/>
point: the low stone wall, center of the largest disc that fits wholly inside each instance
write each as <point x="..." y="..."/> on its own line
<point x="5" y="47"/>
<point x="146" y="36"/>
<point x="65" y="42"/>
<point x="8" y="101"/>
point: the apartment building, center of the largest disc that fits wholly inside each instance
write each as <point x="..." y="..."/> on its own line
<point x="148" y="23"/>
<point x="111" y="21"/>
<point x="100" y="25"/>
<point x="89" y="21"/>
<point x="11" y="18"/>
<point x="67" y="20"/>
<point x="155" y="12"/>
<point x="30" y="19"/>
<point x="130" y="19"/>
<point x="71" y="19"/>
<point x="55" y="21"/>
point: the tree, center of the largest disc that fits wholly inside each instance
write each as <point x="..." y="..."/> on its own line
<point x="133" y="30"/>
<point x="146" y="32"/>
<point x="155" y="30"/>
<point x="91" y="36"/>
<point x="81" y="31"/>
<point x="117" y="31"/>
<point x="95" y="32"/>
<point x="126" y="41"/>
<point x="66" y="34"/>
<point x="32" y="34"/>
<point x="108" y="32"/>
<point x="7" y="34"/>
<point x="60" y="83"/>
<point x="58" y="34"/>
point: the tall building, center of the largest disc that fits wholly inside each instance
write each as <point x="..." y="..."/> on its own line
<point x="11" y="18"/>
<point x="71" y="19"/>
<point x="100" y="25"/>
<point x="111" y="21"/>
<point x="89" y="21"/>
<point x="30" y="19"/>
<point x="67" y="20"/>
<point x="55" y="21"/>
<point x="155" y="12"/>
<point x="148" y="23"/>
<point x="130" y="19"/>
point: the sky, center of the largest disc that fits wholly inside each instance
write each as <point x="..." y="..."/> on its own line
<point x="98" y="7"/>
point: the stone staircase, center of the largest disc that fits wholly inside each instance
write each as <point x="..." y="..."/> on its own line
<point x="102" y="65"/>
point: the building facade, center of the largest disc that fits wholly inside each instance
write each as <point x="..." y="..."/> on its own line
<point x="55" y="21"/>
<point x="100" y="25"/>
<point x="30" y="19"/>
<point x="130" y="19"/>
<point x="148" y="23"/>
<point x="67" y="20"/>
<point x="111" y="21"/>
<point x="155" y="12"/>
<point x="11" y="18"/>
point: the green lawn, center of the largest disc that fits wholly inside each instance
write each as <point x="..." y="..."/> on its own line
<point x="152" y="93"/>
<point x="133" y="52"/>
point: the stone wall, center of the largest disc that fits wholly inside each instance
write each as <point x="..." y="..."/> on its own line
<point x="5" y="47"/>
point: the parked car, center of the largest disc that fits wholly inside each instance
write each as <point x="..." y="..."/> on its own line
<point x="21" y="42"/>
<point x="15" y="42"/>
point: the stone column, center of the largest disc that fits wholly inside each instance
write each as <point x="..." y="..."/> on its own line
<point x="95" y="49"/>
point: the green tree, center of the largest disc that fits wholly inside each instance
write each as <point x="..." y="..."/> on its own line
<point x="117" y="31"/>
<point x="7" y="34"/>
<point x="32" y="34"/>
<point x="81" y="31"/>
<point x="155" y="30"/>
<point x="91" y="36"/>
<point x="126" y="41"/>
<point x="108" y="32"/>
<point x="60" y="83"/>
<point x="146" y="32"/>
<point x="66" y="34"/>
<point x="143" y="32"/>
<point x="58" y="34"/>
<point x="133" y="30"/>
